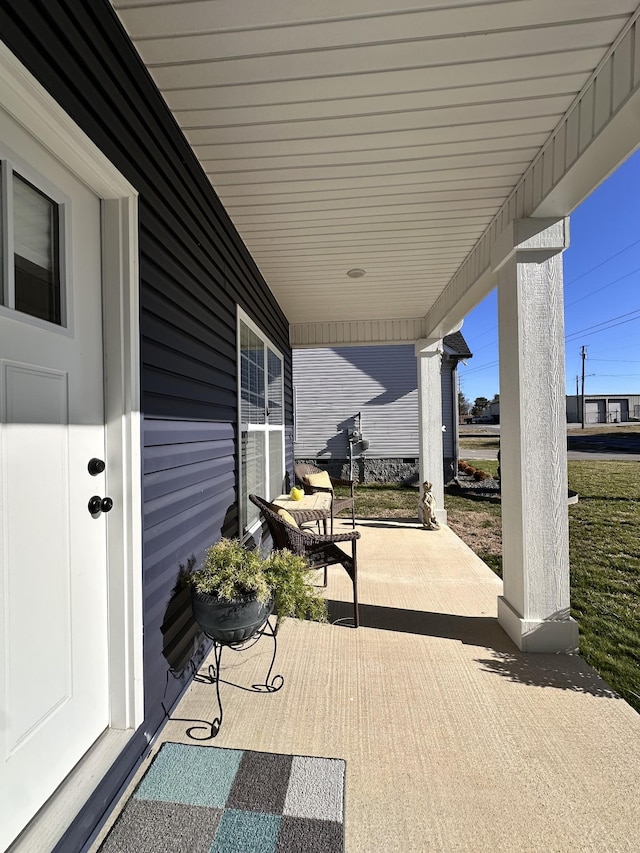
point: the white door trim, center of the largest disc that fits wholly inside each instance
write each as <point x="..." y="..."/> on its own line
<point x="32" y="106"/>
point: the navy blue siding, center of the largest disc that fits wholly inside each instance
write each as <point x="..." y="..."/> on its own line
<point x="194" y="269"/>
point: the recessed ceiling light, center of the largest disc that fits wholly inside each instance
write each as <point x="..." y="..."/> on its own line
<point x="356" y="273"/>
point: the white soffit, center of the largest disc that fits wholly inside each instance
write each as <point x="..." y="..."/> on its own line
<point x="368" y="134"/>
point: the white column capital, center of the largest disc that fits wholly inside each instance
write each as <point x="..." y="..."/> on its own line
<point x="428" y="347"/>
<point x="544" y="236"/>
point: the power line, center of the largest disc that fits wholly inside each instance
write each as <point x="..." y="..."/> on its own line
<point x="589" y="330"/>
<point x="570" y="335"/>
<point x="602" y="263"/>
<point x="477" y="369"/>
<point x="486" y="332"/>
<point x="612" y="326"/>
<point x="577" y="278"/>
<point x="609" y="320"/>
<point x="492" y="329"/>
<point x="604" y="287"/>
<point x="614" y="360"/>
<point x="477" y="349"/>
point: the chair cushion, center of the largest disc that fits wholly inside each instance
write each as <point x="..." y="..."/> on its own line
<point x="286" y="516"/>
<point x="322" y="479"/>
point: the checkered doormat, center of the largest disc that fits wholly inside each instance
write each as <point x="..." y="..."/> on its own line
<point x="205" y="799"/>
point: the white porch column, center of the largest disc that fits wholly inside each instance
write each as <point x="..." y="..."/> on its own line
<point x="534" y="609"/>
<point x="429" y="355"/>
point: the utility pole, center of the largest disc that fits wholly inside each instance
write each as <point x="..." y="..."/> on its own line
<point x="583" y="355"/>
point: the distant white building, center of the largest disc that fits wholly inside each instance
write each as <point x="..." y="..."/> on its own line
<point x="598" y="409"/>
<point x="603" y="409"/>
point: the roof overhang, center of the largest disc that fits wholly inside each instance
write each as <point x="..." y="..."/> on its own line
<point x="398" y="140"/>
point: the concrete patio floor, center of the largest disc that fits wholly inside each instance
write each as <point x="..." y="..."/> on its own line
<point x="454" y="740"/>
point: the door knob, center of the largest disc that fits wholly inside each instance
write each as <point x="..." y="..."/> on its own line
<point x="97" y="505"/>
<point x="95" y="466"/>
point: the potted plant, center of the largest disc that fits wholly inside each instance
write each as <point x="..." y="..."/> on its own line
<point x="236" y="589"/>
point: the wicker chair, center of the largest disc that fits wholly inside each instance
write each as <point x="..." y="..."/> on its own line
<point x="320" y="551"/>
<point x="302" y="469"/>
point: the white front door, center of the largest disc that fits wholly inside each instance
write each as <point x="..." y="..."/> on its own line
<point x="54" y="696"/>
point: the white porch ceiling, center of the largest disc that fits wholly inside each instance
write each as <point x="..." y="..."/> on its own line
<point x="376" y="134"/>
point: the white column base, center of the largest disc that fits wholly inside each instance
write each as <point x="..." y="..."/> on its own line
<point x="538" y="635"/>
<point x="441" y="515"/>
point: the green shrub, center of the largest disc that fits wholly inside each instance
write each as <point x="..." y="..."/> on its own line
<point x="231" y="570"/>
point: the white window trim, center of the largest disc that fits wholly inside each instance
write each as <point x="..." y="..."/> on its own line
<point x="266" y="428"/>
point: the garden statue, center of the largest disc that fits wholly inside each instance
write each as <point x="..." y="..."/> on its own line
<point x="427" y="508"/>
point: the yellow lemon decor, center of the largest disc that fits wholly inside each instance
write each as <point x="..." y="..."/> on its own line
<point x="296" y="494"/>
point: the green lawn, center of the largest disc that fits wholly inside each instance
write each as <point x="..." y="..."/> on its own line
<point x="479" y="441"/>
<point x="604" y="545"/>
<point x="385" y="500"/>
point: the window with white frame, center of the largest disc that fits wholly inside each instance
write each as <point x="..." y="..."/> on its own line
<point x="261" y="418"/>
<point x="31" y="256"/>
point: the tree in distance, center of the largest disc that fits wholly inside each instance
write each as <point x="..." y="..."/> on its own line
<point x="480" y="405"/>
<point x="463" y="404"/>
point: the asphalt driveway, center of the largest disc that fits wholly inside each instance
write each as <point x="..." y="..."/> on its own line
<point x="619" y="443"/>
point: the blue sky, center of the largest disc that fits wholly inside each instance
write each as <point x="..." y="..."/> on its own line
<point x="601" y="297"/>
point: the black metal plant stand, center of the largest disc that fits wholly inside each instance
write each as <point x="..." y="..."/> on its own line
<point x="212" y="676"/>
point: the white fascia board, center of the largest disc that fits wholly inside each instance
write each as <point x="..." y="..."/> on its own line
<point x="615" y="142"/>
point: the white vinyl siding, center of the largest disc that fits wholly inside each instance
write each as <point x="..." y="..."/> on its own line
<point x="333" y="385"/>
